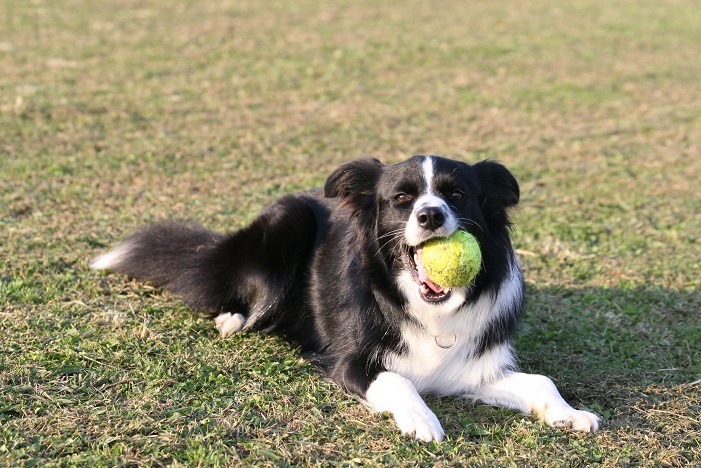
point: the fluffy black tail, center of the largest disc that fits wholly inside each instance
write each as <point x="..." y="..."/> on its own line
<point x="171" y="256"/>
<point x="259" y="272"/>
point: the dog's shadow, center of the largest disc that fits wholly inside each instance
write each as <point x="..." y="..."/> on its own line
<point x="609" y="350"/>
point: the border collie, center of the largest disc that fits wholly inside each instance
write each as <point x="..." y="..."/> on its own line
<point x="338" y="271"/>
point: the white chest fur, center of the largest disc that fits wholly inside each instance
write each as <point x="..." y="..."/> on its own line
<point x="454" y="369"/>
<point x="450" y="370"/>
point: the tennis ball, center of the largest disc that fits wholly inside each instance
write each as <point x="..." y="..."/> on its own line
<point x="452" y="261"/>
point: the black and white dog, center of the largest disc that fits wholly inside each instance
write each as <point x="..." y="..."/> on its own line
<point x="339" y="272"/>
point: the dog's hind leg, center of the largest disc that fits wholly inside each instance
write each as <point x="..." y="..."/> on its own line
<point x="228" y="323"/>
<point x="252" y="279"/>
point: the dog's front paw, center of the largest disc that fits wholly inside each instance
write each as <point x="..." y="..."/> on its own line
<point x="397" y="395"/>
<point x="570" y="418"/>
<point x="420" y="422"/>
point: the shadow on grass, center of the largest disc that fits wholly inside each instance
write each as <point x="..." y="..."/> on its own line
<point x="618" y="336"/>
<point x="631" y="355"/>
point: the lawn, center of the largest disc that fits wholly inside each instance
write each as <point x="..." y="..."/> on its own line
<point x="122" y="112"/>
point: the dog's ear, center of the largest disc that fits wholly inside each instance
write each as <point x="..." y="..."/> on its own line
<point x="356" y="184"/>
<point x="499" y="189"/>
<point x="356" y="178"/>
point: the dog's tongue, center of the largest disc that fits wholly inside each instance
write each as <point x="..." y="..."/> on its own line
<point x="426" y="283"/>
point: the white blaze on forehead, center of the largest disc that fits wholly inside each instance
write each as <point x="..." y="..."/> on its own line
<point x="414" y="233"/>
<point x="427" y="167"/>
<point x="429" y="196"/>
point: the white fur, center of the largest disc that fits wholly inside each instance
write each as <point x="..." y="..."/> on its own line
<point x="228" y="323"/>
<point x="393" y="393"/>
<point x="415" y="234"/>
<point x="453" y="370"/>
<point x="427" y="168"/>
<point x="430" y="315"/>
<point x="111" y="259"/>
<point x="537" y="395"/>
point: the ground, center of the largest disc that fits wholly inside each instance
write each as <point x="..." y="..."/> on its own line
<point x="114" y="114"/>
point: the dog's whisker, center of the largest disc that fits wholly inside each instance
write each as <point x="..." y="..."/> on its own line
<point x="471" y="222"/>
<point x="392" y="239"/>
<point x="391" y="235"/>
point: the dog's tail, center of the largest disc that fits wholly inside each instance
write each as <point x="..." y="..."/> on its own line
<point x="173" y="256"/>
<point x="259" y="271"/>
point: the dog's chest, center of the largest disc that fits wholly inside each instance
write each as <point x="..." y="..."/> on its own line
<point x="442" y="356"/>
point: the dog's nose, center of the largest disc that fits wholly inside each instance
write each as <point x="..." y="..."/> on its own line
<point x="430" y="218"/>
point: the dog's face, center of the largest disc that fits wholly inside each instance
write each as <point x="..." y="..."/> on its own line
<point x="400" y="207"/>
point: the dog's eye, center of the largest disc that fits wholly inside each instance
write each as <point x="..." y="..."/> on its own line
<point x="457" y="195"/>
<point x="402" y="198"/>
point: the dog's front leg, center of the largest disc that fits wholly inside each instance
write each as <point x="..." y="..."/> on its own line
<point x="393" y="393"/>
<point x="535" y="394"/>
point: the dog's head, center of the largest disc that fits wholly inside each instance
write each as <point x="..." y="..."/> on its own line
<point x="398" y="208"/>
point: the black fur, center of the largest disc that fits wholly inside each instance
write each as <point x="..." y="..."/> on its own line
<point x="321" y="267"/>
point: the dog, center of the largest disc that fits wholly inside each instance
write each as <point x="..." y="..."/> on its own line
<point x="338" y="271"/>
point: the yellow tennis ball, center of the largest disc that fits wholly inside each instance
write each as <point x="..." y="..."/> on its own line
<point x="452" y="261"/>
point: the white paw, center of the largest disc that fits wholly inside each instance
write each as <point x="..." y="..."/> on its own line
<point x="228" y="323"/>
<point x="420" y="422"/>
<point x="570" y="418"/>
<point x="537" y="394"/>
<point x="397" y="395"/>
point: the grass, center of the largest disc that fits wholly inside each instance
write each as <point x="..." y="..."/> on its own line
<point x="119" y="113"/>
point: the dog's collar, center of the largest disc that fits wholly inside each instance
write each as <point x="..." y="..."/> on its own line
<point x="446" y="340"/>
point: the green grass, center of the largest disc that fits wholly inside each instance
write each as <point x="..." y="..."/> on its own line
<point x="119" y="113"/>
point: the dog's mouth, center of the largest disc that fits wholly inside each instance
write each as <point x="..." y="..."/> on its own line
<point x="429" y="290"/>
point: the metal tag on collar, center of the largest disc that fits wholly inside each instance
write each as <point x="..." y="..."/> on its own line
<point x="446" y="341"/>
